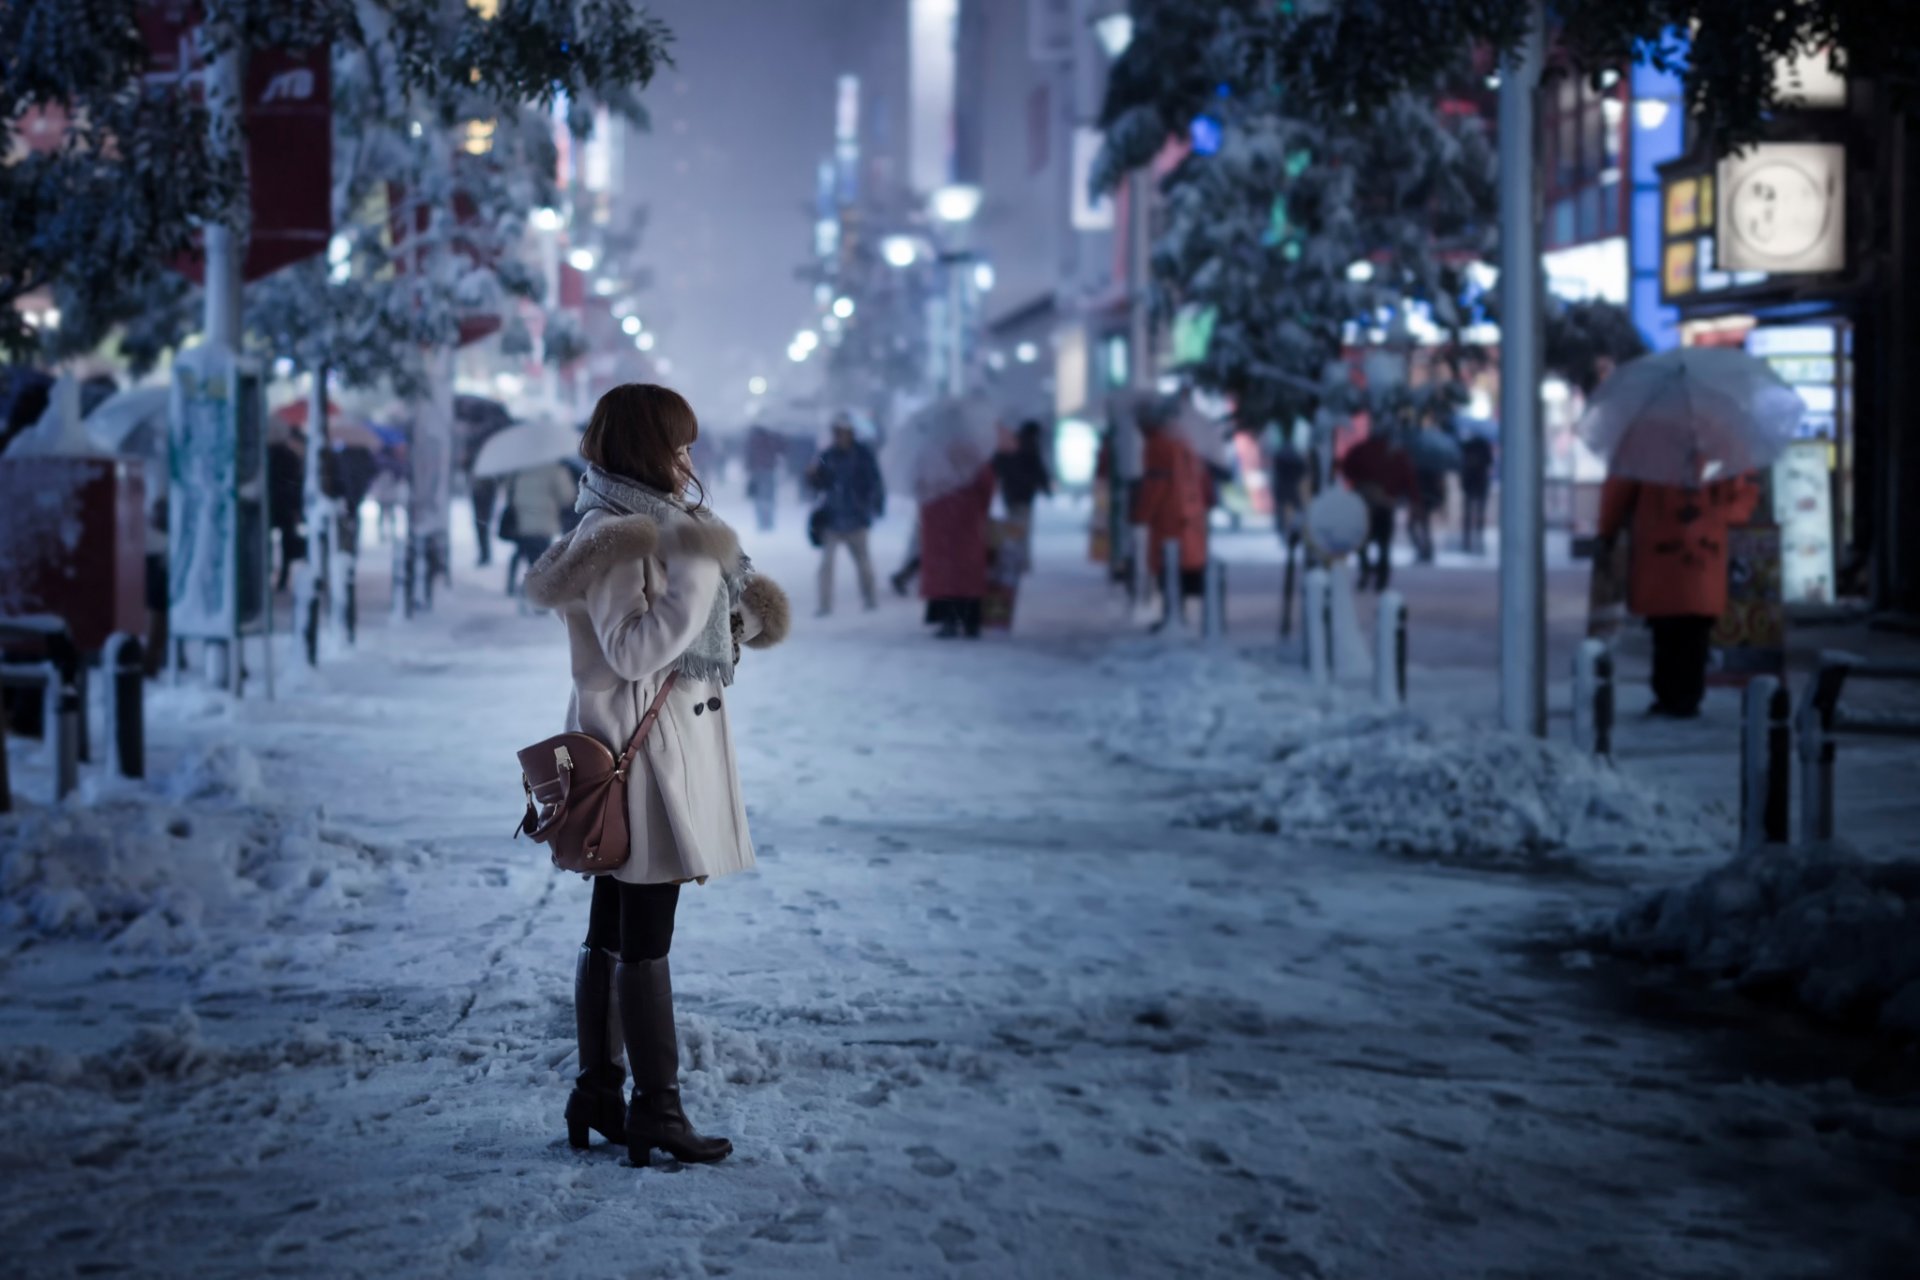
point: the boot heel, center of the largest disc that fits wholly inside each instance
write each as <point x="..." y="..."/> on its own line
<point x="577" y="1134"/>
<point x="640" y="1156"/>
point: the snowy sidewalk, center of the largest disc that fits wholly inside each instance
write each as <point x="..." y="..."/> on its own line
<point x="984" y="1009"/>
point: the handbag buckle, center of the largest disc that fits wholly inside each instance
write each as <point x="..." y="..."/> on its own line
<point x="563" y="757"/>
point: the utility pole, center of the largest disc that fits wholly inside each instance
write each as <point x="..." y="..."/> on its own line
<point x="1523" y="698"/>
<point x="225" y="239"/>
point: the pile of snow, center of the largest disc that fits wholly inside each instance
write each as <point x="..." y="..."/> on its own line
<point x="1837" y="932"/>
<point x="1274" y="754"/>
<point x="179" y="1052"/>
<point x="151" y="869"/>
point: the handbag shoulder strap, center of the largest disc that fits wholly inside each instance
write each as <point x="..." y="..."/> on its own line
<point x="646" y="721"/>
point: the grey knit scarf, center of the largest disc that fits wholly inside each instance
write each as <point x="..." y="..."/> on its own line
<point x="711" y="655"/>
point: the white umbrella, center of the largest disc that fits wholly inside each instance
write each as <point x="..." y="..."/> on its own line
<point x="942" y="447"/>
<point x="132" y="421"/>
<point x="523" y="446"/>
<point x="1692" y="415"/>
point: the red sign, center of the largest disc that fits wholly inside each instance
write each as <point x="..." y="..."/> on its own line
<point x="475" y="325"/>
<point x="287" y="112"/>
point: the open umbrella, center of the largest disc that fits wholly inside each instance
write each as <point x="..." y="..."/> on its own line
<point x="529" y="444"/>
<point x="132" y="422"/>
<point x="1692" y="415"/>
<point x="1434" y="450"/>
<point x="942" y="447"/>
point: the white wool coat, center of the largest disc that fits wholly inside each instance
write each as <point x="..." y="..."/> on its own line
<point x="634" y="594"/>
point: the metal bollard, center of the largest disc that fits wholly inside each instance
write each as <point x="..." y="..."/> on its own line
<point x="1142" y="564"/>
<point x="1813" y="729"/>
<point x="126" y="663"/>
<point x="1603" y="704"/>
<point x="1390" y="650"/>
<point x="63" y="714"/>
<point x="1213" y="613"/>
<point x="1315" y="613"/>
<point x="1593" y="698"/>
<point x="1779" y="766"/>
<point x="1176" y="614"/>
<point x="1764" y="768"/>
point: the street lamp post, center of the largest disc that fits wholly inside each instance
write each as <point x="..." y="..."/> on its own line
<point x="954" y="207"/>
<point x="1522" y="565"/>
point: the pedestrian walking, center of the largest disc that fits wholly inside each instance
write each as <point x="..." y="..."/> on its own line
<point x="1384" y="478"/>
<point x="536" y="499"/>
<point x="657" y="601"/>
<point x="1476" y="484"/>
<point x="1172" y="502"/>
<point x="486" y="496"/>
<point x="846" y="481"/>
<point x="1023" y="477"/>
<point x="765" y="451"/>
<point x="953" y="555"/>
<point x="286" y="501"/>
<point x="1677" y="580"/>
<point x="1290" y="477"/>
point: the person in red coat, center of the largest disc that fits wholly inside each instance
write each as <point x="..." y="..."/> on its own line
<point x="1678" y="579"/>
<point x="1172" y="502"/>
<point x="953" y="555"/>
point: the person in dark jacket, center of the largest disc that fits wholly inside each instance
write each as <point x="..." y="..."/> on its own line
<point x="1022" y="473"/>
<point x="764" y="451"/>
<point x="286" y="500"/>
<point x="1476" y="483"/>
<point x="846" y="480"/>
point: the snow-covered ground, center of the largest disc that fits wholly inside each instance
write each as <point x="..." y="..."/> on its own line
<point x="997" y="1002"/>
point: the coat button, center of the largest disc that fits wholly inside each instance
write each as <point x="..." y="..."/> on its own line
<point x="713" y="704"/>
<point x="698" y="707"/>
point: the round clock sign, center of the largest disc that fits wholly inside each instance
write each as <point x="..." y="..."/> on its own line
<point x="1778" y="211"/>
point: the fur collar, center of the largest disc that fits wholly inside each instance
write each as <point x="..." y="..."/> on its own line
<point x="567" y="568"/>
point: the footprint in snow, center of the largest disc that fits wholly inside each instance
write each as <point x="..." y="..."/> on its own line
<point x="932" y="1164"/>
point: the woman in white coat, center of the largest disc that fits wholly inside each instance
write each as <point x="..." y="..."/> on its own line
<point x="652" y="589"/>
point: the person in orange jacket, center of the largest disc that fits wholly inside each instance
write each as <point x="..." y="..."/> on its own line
<point x="1678" y="578"/>
<point x="1172" y="501"/>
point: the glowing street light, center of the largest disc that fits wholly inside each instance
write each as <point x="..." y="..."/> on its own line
<point x="644" y="342"/>
<point x="756" y="385"/>
<point x="581" y="259"/>
<point x="983" y="276"/>
<point x="798" y="354"/>
<point x="843" y="308"/>
<point x="806" y="339"/>
<point x="956" y="203"/>
<point x="899" y="251"/>
<point x="547" y="219"/>
<point x="630" y="326"/>
<point x="1026" y="353"/>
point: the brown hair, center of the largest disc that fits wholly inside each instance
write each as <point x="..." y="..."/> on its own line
<point x="637" y="431"/>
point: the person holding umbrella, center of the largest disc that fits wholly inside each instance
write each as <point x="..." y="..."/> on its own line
<point x="1683" y="432"/>
<point x="538" y="486"/>
<point x="945" y="454"/>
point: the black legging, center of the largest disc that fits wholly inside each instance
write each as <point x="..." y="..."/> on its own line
<point x="635" y="920"/>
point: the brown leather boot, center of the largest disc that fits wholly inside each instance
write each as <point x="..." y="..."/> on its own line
<point x="644" y="989"/>
<point x="598" y="1100"/>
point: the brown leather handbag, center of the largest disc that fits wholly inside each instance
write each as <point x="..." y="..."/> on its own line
<point x="577" y="795"/>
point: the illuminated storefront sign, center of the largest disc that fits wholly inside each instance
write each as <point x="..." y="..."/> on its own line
<point x="1782" y="208"/>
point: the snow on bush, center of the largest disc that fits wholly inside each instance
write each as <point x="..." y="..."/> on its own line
<point x="1334" y="767"/>
<point x="1838" y="932"/>
<point x="152" y="868"/>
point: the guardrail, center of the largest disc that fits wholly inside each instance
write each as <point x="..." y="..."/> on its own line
<point x="60" y="677"/>
<point x="1821" y="719"/>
